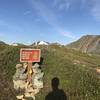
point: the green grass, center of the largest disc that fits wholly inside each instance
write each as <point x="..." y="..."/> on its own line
<point x="77" y="81"/>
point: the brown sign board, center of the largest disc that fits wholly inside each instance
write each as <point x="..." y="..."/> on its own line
<point x="30" y="55"/>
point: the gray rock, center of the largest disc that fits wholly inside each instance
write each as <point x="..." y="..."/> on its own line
<point x="20" y="75"/>
<point x="19" y="84"/>
<point x="20" y="79"/>
<point x="37" y="80"/>
<point x="23" y="77"/>
<point x="25" y="65"/>
<point x="36" y="70"/>
<point x="36" y="65"/>
<point x="18" y="66"/>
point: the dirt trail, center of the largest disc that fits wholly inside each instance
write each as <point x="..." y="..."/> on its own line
<point x="98" y="70"/>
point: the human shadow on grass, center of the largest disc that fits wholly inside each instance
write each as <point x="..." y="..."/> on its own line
<point x="56" y="93"/>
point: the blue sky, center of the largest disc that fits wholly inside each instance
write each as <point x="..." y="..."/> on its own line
<point x="62" y="21"/>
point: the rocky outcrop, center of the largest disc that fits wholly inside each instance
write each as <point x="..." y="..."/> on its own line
<point x="87" y="44"/>
<point x="21" y="83"/>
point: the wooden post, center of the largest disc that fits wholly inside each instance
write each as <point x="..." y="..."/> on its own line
<point x="30" y="71"/>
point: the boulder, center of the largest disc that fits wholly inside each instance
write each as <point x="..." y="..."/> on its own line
<point x="21" y="83"/>
<point x="18" y="66"/>
<point x="37" y="81"/>
<point x="36" y="65"/>
<point x="30" y="95"/>
<point x="19" y="97"/>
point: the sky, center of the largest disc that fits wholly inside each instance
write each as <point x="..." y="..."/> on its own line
<point x="62" y="21"/>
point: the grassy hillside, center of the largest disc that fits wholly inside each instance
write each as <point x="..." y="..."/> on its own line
<point x="75" y="70"/>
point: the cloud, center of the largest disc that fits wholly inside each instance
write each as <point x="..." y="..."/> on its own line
<point x="68" y="34"/>
<point x="62" y="4"/>
<point x="95" y="9"/>
<point x="27" y="12"/>
<point x="49" y="16"/>
<point x="37" y="20"/>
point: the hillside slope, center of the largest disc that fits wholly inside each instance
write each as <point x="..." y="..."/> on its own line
<point x="87" y="44"/>
<point x="75" y="70"/>
<point x="2" y="43"/>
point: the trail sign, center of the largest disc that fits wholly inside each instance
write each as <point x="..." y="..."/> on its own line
<point x="30" y="55"/>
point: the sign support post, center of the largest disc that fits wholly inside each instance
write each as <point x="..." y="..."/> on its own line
<point x="29" y="72"/>
<point x="30" y="55"/>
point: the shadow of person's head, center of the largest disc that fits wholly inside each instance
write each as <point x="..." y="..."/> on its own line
<point x="56" y="93"/>
<point x="55" y="83"/>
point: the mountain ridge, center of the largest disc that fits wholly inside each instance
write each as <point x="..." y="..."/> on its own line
<point x="1" y="42"/>
<point x="87" y="44"/>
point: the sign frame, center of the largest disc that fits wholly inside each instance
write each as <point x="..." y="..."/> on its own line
<point x="30" y="50"/>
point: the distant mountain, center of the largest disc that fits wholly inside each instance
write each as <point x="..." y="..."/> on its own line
<point x="87" y="44"/>
<point x="17" y="44"/>
<point x="40" y="43"/>
<point x="56" y="43"/>
<point x="1" y="42"/>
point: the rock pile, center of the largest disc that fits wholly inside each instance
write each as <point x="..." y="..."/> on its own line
<point x="21" y="83"/>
